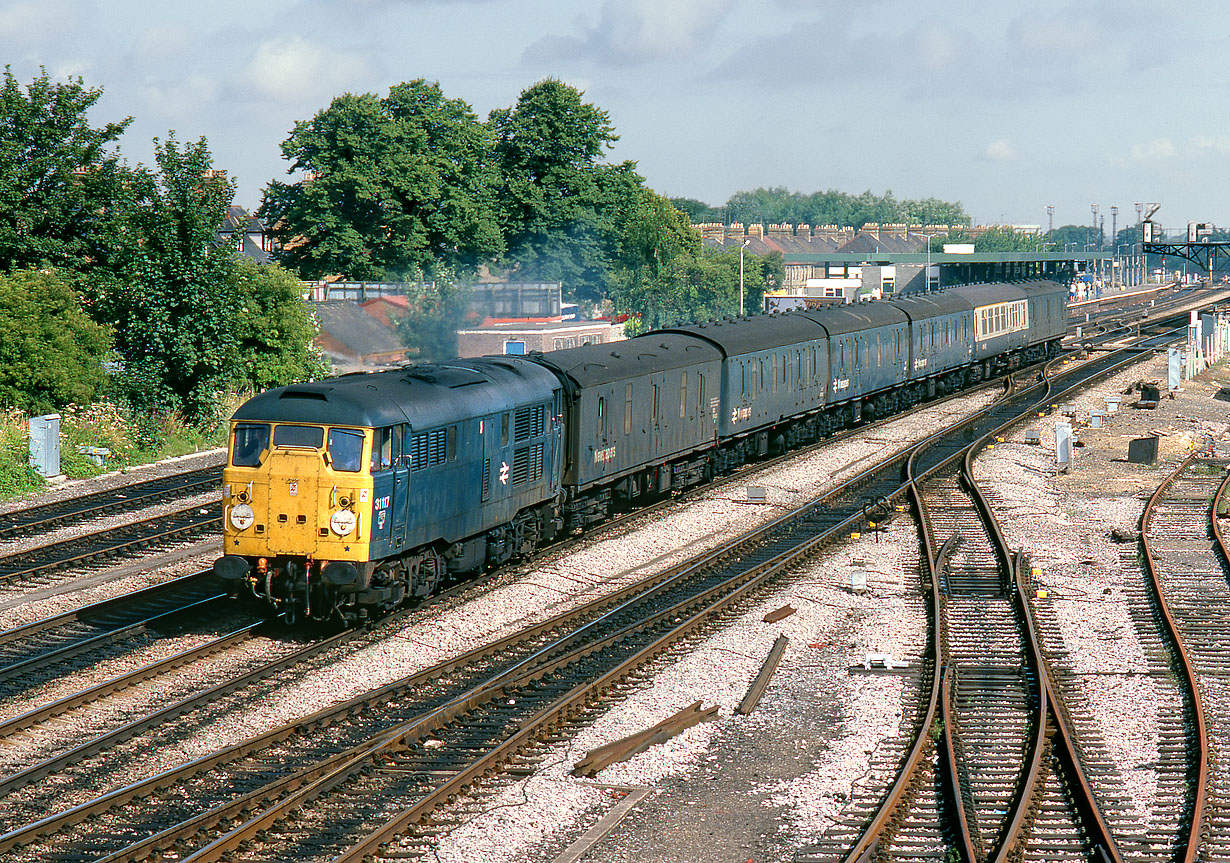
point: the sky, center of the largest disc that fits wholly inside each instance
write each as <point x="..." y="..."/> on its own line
<point x="1005" y="107"/>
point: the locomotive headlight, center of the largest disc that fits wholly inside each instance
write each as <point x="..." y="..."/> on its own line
<point x="242" y="516"/>
<point x="342" y="522"/>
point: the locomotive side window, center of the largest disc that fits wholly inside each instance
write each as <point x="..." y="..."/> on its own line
<point x="346" y="450"/>
<point x="451" y="451"/>
<point x="628" y="409"/>
<point x="382" y="449"/>
<point x="503" y="429"/>
<point x="251" y="439"/>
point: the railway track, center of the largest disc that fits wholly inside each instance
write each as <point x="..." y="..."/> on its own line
<point x="39" y="566"/>
<point x="33" y="654"/>
<point x="1006" y="783"/>
<point x="45" y="517"/>
<point x="1185" y="551"/>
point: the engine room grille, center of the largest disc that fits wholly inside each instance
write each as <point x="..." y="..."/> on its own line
<point x="428" y="448"/>
<point x="528" y="422"/>
<point x="486" y="478"/>
<point x="527" y="464"/>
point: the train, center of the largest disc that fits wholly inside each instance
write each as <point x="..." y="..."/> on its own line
<point x="347" y="497"/>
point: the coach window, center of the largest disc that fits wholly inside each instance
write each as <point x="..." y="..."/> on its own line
<point x="654" y="416"/>
<point x="251" y="439"/>
<point x="345" y="450"/>
<point x="700" y="393"/>
<point x="683" y="394"/>
<point x="773" y="373"/>
<point x="601" y="416"/>
<point x="628" y="409"/>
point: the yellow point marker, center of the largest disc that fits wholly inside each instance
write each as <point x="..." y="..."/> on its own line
<point x="871" y="525"/>
<point x="856" y="536"/>
<point x="1041" y="594"/>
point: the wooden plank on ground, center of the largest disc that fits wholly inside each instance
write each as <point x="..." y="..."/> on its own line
<point x="620" y="750"/>
<point x="761" y="683"/>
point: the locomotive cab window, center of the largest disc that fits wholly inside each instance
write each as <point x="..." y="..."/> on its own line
<point x="345" y="450"/>
<point x="310" y="437"/>
<point x="251" y="439"/>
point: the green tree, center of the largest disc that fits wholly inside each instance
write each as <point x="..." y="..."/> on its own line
<point x="560" y="207"/>
<point x="274" y="328"/>
<point x="58" y="176"/>
<point x="50" y="351"/>
<point x="994" y="240"/>
<point x="391" y="186"/>
<point x="780" y="205"/>
<point x="697" y="211"/>
<point x="168" y="292"/>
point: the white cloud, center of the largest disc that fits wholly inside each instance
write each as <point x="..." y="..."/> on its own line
<point x="1216" y="144"/>
<point x="634" y="31"/>
<point x="1001" y="150"/>
<point x="937" y="48"/>
<point x="294" y="70"/>
<point x="1158" y="148"/>
<point x="36" y="19"/>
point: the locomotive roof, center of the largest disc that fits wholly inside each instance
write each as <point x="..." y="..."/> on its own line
<point x="424" y="396"/>
<point x="748" y="335"/>
<point x="839" y="320"/>
<point x="616" y="361"/>
<point x="1002" y="292"/>
<point x="919" y="306"/>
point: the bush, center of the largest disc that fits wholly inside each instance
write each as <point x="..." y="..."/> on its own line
<point x="16" y="475"/>
<point x="133" y="439"/>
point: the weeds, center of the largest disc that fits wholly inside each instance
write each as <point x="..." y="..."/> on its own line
<point x="132" y="439"/>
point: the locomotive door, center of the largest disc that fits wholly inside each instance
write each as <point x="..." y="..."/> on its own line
<point x="401" y="488"/>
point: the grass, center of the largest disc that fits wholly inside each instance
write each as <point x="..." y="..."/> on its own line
<point x="133" y="439"/>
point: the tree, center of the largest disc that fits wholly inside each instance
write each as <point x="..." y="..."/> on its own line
<point x="168" y="292"/>
<point x="559" y="206"/>
<point x="665" y="277"/>
<point x="58" y="177"/>
<point x="50" y="351"/>
<point x="779" y="204"/>
<point x="697" y="212"/>
<point x="391" y="186"/>
<point x="274" y="328"/>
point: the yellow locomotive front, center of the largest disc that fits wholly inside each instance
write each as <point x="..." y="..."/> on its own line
<point x="297" y="514"/>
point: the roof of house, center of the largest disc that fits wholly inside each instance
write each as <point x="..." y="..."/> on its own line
<point x="362" y="334"/>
